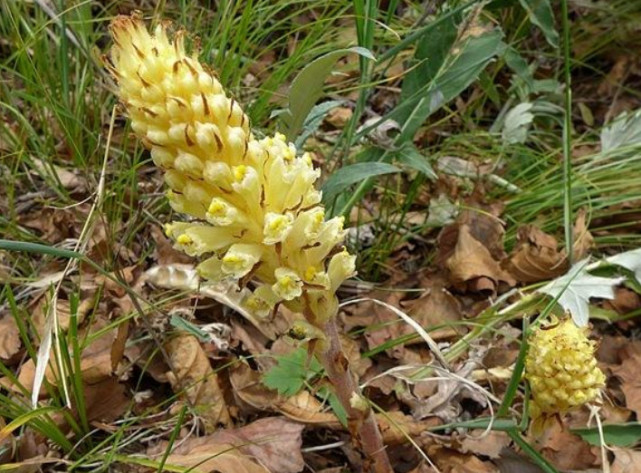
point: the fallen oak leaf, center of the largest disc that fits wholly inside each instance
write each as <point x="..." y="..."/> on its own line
<point x="192" y="374"/>
<point x="272" y="442"/>
<point x="218" y="458"/>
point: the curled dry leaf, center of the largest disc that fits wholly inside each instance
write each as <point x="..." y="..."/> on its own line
<point x="192" y="374"/>
<point x="9" y="337"/>
<point x="536" y="256"/>
<point x="628" y="374"/>
<point x="488" y="444"/>
<point x="302" y="407"/>
<point x="472" y="266"/>
<point x="273" y="442"/>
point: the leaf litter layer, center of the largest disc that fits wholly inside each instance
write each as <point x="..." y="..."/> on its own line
<point x="149" y="368"/>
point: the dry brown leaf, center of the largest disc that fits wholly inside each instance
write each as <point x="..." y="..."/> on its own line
<point x="339" y="116"/>
<point x="273" y="442"/>
<point x="451" y="461"/>
<point x="9" y="337"/>
<point x="388" y="325"/>
<point x="565" y="450"/>
<point x="435" y="307"/>
<point x="628" y="373"/>
<point x="489" y="445"/>
<point x="305" y="408"/>
<point x="218" y="458"/>
<point x="626" y="460"/>
<point x="193" y="374"/>
<point x="95" y="361"/>
<point x="63" y="311"/>
<point x="68" y="179"/>
<point x="472" y="266"/>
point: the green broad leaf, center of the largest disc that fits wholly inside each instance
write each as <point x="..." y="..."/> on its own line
<point x="292" y="371"/>
<point x="307" y="88"/>
<point x="618" y="435"/>
<point x="457" y="71"/>
<point x="314" y="119"/>
<point x="540" y="14"/>
<point x="349" y="175"/>
<point x="410" y="156"/>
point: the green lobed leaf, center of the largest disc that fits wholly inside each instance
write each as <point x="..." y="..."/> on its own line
<point x="349" y="175"/>
<point x="292" y="371"/>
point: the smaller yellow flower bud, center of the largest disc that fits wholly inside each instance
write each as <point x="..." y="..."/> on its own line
<point x="288" y="284"/>
<point x="341" y="267"/>
<point x="221" y="213"/>
<point x="261" y="302"/>
<point x="240" y="259"/>
<point x="184" y="239"/>
<point x="277" y="227"/>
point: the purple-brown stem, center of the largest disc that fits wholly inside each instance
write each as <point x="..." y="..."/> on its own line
<point x="362" y="422"/>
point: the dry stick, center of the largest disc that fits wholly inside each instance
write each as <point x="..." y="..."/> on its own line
<point x="362" y="422"/>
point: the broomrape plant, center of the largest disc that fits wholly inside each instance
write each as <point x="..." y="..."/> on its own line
<point x="255" y="214"/>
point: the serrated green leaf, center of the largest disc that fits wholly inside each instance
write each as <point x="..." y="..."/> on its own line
<point x="574" y="290"/>
<point x="630" y="260"/>
<point x="624" y="131"/>
<point x="540" y="14"/>
<point x="618" y="435"/>
<point x="348" y="175"/>
<point x="307" y="88"/>
<point x="292" y="371"/>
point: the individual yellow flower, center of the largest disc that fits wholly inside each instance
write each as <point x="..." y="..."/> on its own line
<point x="253" y="209"/>
<point x="561" y="369"/>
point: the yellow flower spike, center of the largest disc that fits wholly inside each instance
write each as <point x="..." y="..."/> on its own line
<point x="257" y="208"/>
<point x="561" y="369"/>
